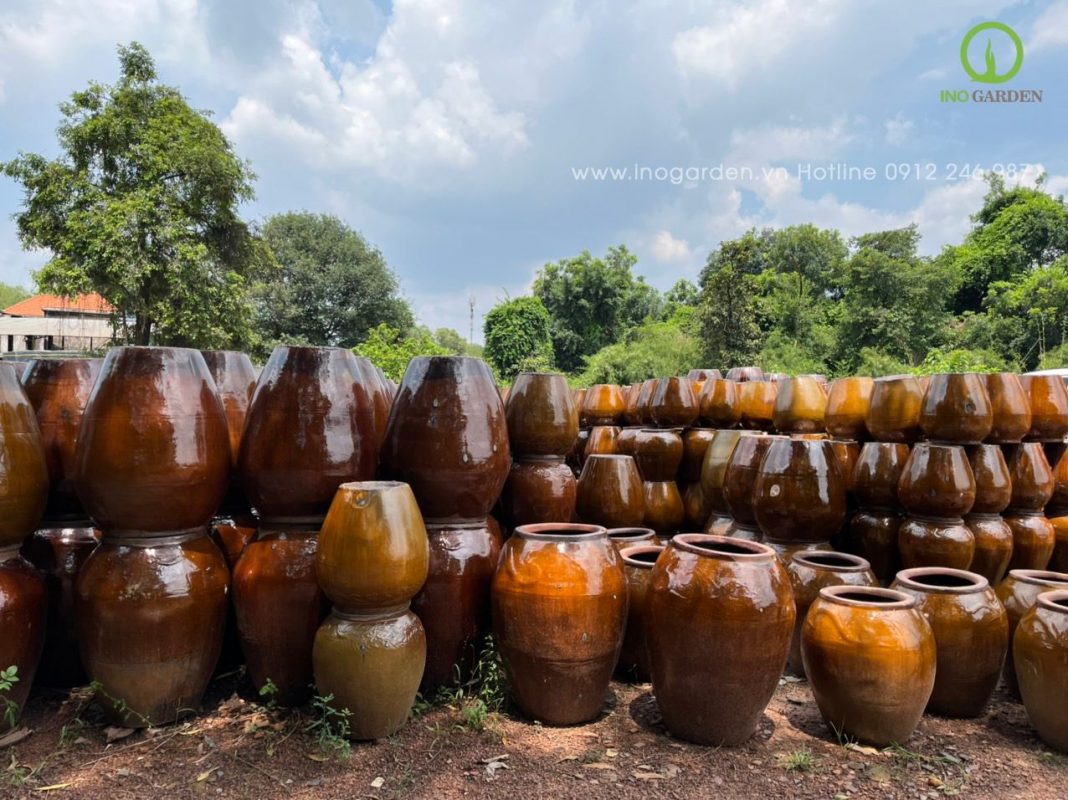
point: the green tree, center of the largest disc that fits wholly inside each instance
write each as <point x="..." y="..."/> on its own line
<point x="331" y="288"/>
<point x="727" y="318"/>
<point x="451" y="341"/>
<point x="652" y="350"/>
<point x="9" y="295"/>
<point x="518" y="337"/>
<point x="392" y="349"/>
<point x="141" y="206"/>
<point x="748" y="254"/>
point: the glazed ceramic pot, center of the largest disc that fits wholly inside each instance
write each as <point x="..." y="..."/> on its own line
<point x="719" y="612"/>
<point x="937" y="481"/>
<point x="23" y="619"/>
<point x="1033" y="539"/>
<point x="846" y="454"/>
<point x="642" y="411"/>
<point x="847" y="407"/>
<point x="1031" y="476"/>
<point x="704" y="374"/>
<point x="993" y="483"/>
<point x="1018" y="593"/>
<point x="875" y="694"/>
<point x="877" y="473"/>
<point x="1040" y="649"/>
<point x="150" y="615"/>
<point x="756" y="404"/>
<point x="740" y="478"/>
<point x="993" y="545"/>
<point x="233" y="534"/>
<point x="799" y="495"/>
<point x="1010" y="408"/>
<point x="59" y="554"/>
<point x="373" y="380"/>
<point x="696" y="506"/>
<point x="58" y="390"/>
<point x="811" y="571"/>
<point x="448" y="439"/>
<point x="743" y="374"/>
<point x="674" y="403"/>
<point x="235" y="378"/>
<point x="1059" y="499"/>
<point x="1049" y="407"/>
<point x="623" y="538"/>
<point x="956" y="408"/>
<point x="626" y="440"/>
<point x="971" y="631"/>
<point x="153" y="453"/>
<point x="714" y="468"/>
<point x="539" y="489"/>
<point x="638" y="561"/>
<point x="602" y="440"/>
<point x="935" y="542"/>
<point x="873" y="536"/>
<point x="23" y="472"/>
<point x="718" y="403"/>
<point x="658" y="453"/>
<point x="610" y="492"/>
<point x="800" y="404"/>
<point x="578" y="398"/>
<point x="695" y="442"/>
<point x="1059" y="560"/>
<point x="664" y="510"/>
<point x="279" y="607"/>
<point x="453" y="604"/>
<point x="541" y="416"/>
<point x="603" y="405"/>
<point x="632" y="415"/>
<point x="559" y="614"/>
<point x="577" y="457"/>
<point x="894" y="411"/>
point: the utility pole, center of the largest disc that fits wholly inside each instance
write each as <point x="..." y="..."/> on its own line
<point x="471" y="331"/>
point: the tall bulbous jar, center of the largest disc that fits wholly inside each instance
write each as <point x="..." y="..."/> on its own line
<point x="642" y="413"/>
<point x="718" y="403"/>
<point x="993" y="545"/>
<point x="873" y="535"/>
<point x="602" y="405"/>
<point x="714" y="468"/>
<point x="847" y="407"/>
<point x="610" y="492"/>
<point x="877" y="473"/>
<point x="674" y="403"/>
<point x="1049" y="407"/>
<point x="1031" y="476"/>
<point x="874" y="694"/>
<point x="971" y="631"/>
<point x="894" y="411"/>
<point x="658" y="453"/>
<point x="993" y="482"/>
<point x="23" y="617"/>
<point x="956" y="408"/>
<point x="381" y="393"/>
<point x="559" y="614"/>
<point x="846" y="454"/>
<point x="539" y="489"/>
<point x="719" y="613"/>
<point x="665" y="511"/>
<point x="800" y="405"/>
<point x="24" y="477"/>
<point x="370" y="653"/>
<point x="1033" y="539"/>
<point x="740" y="478"/>
<point x="935" y="542"/>
<point x="1010" y="408"/>
<point x="937" y="481"/>
<point x="799" y="495"/>
<point x="150" y="614"/>
<point x="638" y="561"/>
<point x="631" y="414"/>
<point x="695" y="442"/>
<point x="602" y="440"/>
<point x="1040" y="649"/>
<point x="756" y="404"/>
<point x="541" y="417"/>
<point x="1018" y="594"/>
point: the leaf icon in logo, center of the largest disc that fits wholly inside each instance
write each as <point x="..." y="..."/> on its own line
<point x="991" y="65"/>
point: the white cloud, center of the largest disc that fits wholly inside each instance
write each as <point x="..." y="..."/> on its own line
<point x="1051" y="28"/>
<point x="898" y="128"/>
<point x="668" y="249"/>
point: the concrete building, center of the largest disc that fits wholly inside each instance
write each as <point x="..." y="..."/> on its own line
<point x="47" y="322"/>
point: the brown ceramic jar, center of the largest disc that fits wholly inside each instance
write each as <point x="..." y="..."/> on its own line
<point x="847" y="407"/>
<point x="704" y="374"/>
<point x="1059" y="560"/>
<point x="539" y="489"/>
<point x="603" y="405"/>
<point x="799" y="495"/>
<point x="235" y="378"/>
<point x="602" y="440"/>
<point x="756" y="404"/>
<point x="610" y="492"/>
<point x="664" y="510"/>
<point x="578" y="398"/>
<point x="935" y="542"/>
<point x="626" y="440"/>
<point x="873" y="694"/>
<point x="937" y="481"/>
<point x="1032" y="478"/>
<point x="956" y="408"/>
<point x="1033" y="539"/>
<point x="696" y="506"/>
<point x="714" y="468"/>
<point x="971" y="631"/>
<point x="631" y="414"/>
<point x="719" y="612"/>
<point x="718" y="403"/>
<point x="744" y="374"/>
<point x="846" y="454"/>
<point x="1018" y="594"/>
<point x="800" y="404"/>
<point x="1059" y="463"/>
<point x="23" y="471"/>
<point x="674" y="403"/>
<point x="23" y="619"/>
<point x="894" y="411"/>
<point x="642" y="411"/>
<point x="877" y="473"/>
<point x="373" y="380"/>
<point x="873" y="536"/>
<point x="658" y="453"/>
<point x="1049" y="407"/>
<point x="623" y="538"/>
<point x="993" y="484"/>
<point x="1040" y="649"/>
<point x="542" y="419"/>
<point x="993" y="545"/>
<point x="559" y="614"/>
<point x="740" y="478"/>
<point x="695" y="442"/>
<point x="1010" y="408"/>
<point x="638" y="561"/>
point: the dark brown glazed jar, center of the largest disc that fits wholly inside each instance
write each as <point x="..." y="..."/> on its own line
<point x="956" y="408"/>
<point x="847" y="407"/>
<point x="603" y="405"/>
<point x="658" y="453"/>
<point x="846" y="454"/>
<point x="447" y="438"/>
<point x="631" y="413"/>
<point x="1059" y="462"/>
<point x="719" y="612"/>
<point x="23" y="619"/>
<point x="873" y="536"/>
<point x="744" y="374"/>
<point x="153" y="452"/>
<point x="935" y="542"/>
<point x="1059" y="560"/>
<point x="1032" y="478"/>
<point x="539" y="490"/>
<point x="704" y="374"/>
<point x="1049" y="407"/>
<point x="626" y="439"/>
<point x="279" y="607"/>
<point x="232" y="534"/>
<point x="638" y="561"/>
<point x="1018" y="594"/>
<point x="1033" y="539"/>
<point x="718" y="403"/>
<point x="150" y="615"/>
<point x="993" y="545"/>
<point x="23" y="471"/>
<point x="674" y="403"/>
<point x="971" y="631"/>
<point x="741" y="476"/>
<point x="993" y="484"/>
<point x="559" y="614"/>
<point x="623" y="538"/>
<point x="696" y="506"/>
<point x="542" y="418"/>
<point x="799" y="495"/>
<point x="641" y="403"/>
<point x="1010" y="408"/>
<point x="877" y="472"/>
<point x="664" y="511"/>
<point x="894" y="411"/>
<point x="602" y="440"/>
<point x="756" y="404"/>
<point x="714" y="468"/>
<point x="800" y="405"/>
<point x="695" y="442"/>
<point x="937" y="481"/>
<point x="610" y="492"/>
<point x="374" y="382"/>
<point x="873" y="694"/>
<point x="453" y="604"/>
<point x="811" y="571"/>
<point x="58" y="390"/>
<point x="1041" y="650"/>
<point x="235" y="378"/>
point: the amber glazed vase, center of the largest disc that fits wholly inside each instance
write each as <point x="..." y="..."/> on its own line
<point x="935" y="542"/>
<point x="1018" y="594"/>
<point x="1010" y="408"/>
<point x="993" y="545"/>
<point x="235" y="378"/>
<point x="847" y="407"/>
<point x="610" y="492"/>
<point x="740" y="478"/>
<point x="719" y="404"/>
<point x="800" y="406"/>
<point x="23" y="616"/>
<point x="602" y="405"/>
<point x="1040" y="649"/>
<point x="539" y="489"/>
<point x="23" y="471"/>
<point x="799" y="494"/>
<point x="937" y="481"/>
<point x="541" y="415"/>
<point x="1049" y="407"/>
<point x="894" y="411"/>
<point x="674" y="403"/>
<point x="956" y="408"/>
<point x="638" y="561"/>
<point x="714" y="468"/>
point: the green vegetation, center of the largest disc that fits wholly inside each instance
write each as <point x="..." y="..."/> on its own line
<point x="518" y="337"/>
<point x="9" y="676"/>
<point x="9" y="295"/>
<point x="392" y="349"/>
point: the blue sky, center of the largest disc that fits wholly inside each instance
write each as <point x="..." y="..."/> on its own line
<point x="447" y="132"/>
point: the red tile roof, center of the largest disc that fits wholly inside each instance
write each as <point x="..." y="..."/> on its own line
<point x="37" y="305"/>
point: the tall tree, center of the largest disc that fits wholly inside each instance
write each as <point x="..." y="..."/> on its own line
<point x="518" y="337"/>
<point x="141" y="206"/>
<point x="727" y="316"/>
<point x="9" y="295"/>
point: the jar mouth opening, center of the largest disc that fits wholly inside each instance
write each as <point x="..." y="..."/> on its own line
<point x="724" y="547"/>
<point x="839" y="562"/>
<point x="371" y="486"/>
<point x="867" y="597"/>
<point x="642" y="556"/>
<point x="630" y="534"/>
<point x="1041" y="577"/>
<point x="1054" y="601"/>
<point x="943" y="580"/>
<point x="560" y="532"/>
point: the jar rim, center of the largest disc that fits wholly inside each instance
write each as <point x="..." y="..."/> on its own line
<point x="820" y="559"/>
<point x="1040" y="577"/>
<point x="726" y="548"/>
<point x="919" y="579"/>
<point x="867" y="597"/>
<point x="1057" y="601"/>
<point x="561" y="532"/>
<point x="629" y="534"/>
<point x="630" y="555"/>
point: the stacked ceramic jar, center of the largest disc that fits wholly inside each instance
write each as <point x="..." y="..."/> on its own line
<point x="600" y="416"/>
<point x="610" y="491"/>
<point x="659" y="452"/>
<point x="447" y="437"/>
<point x="848" y="401"/>
<point x="1057" y="510"/>
<point x="718" y="407"/>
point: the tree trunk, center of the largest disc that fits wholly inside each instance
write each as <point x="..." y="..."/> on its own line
<point x="142" y="330"/>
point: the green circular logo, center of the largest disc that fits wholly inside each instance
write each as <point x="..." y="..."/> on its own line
<point x="990" y="72"/>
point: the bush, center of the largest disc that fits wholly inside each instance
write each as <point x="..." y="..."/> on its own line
<point x="518" y="337"/>
<point x="392" y="349"/>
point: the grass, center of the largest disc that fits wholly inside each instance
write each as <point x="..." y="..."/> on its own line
<point x="330" y="727"/>
<point x="483" y="693"/>
<point x="949" y="773"/>
<point x="800" y="760"/>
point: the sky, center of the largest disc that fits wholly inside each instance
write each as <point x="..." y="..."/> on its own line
<point x="454" y="134"/>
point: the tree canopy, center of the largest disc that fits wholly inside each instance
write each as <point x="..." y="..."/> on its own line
<point x="518" y="337"/>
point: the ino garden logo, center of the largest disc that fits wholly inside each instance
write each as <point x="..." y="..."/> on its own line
<point x="991" y="53"/>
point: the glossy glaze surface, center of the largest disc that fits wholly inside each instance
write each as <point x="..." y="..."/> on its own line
<point x="695" y="442"/>
<point x="846" y="454"/>
<point x="23" y="617"/>
<point x="894" y="411"/>
<point x="610" y="492"/>
<point x="23" y="472"/>
<point x="1033" y="539"/>
<point x="541" y="415"/>
<point x="1040" y="649"/>
<point x="872" y="535"/>
<point x="877" y="472"/>
<point x="800" y="405"/>
<point x="1032" y="478"/>
<point x="382" y="393"/>
<point x="740" y="478"/>
<point x="1049" y="407"/>
<point x="956" y="408"/>
<point x="658" y="453"/>
<point x="714" y="467"/>
<point x="993" y="483"/>
<point x="799" y="495"/>
<point x="848" y="401"/>
<point x="756" y="404"/>
<point x="602" y="440"/>
<point x="696" y="506"/>
<point x="1010" y="408"/>
<point x="1059" y="560"/>
<point x="664" y="509"/>
<point x="935" y="542"/>
<point x="623" y="538"/>
<point x="602" y="405"/>
<point x="539" y="490"/>
<point x="937" y="481"/>
<point x="674" y="403"/>
<point x="638" y="561"/>
<point x="235" y="378"/>
<point x="718" y="403"/>
<point x="993" y="546"/>
<point x="1018" y="593"/>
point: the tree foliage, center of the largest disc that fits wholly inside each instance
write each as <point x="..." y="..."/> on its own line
<point x="9" y="295"/>
<point x="727" y="318"/>
<point x="518" y="337"/>
<point x="392" y="349"/>
<point x="651" y="350"/>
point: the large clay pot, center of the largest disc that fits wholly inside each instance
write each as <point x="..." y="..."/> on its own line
<point x="626" y="440"/>
<point x="638" y="561"/>
<point x="310" y="428"/>
<point x="602" y="440"/>
<point x="658" y="453"/>
<point x="235" y="378"/>
<point x="542" y="419"/>
<point x="279" y="607"/>
<point x="447" y="437"/>
<point x="610" y="492"/>
<point x="632" y="415"/>
<point x="695" y="444"/>
<point x="956" y="408"/>
<point x="602" y="405"/>
<point x="756" y="404"/>
<point x="1010" y="408"/>
<point x="1040" y="649"/>
<point x="800" y="404"/>
<point x="714" y="468"/>
<point x="971" y="631"/>
<point x="744" y="374"/>
<point x="539" y="490"/>
<point x="232" y="534"/>
<point x="453" y="604"/>
<point x="664" y="510"/>
<point x="1018" y="593"/>
<point x="153" y="452"/>
<point x="623" y="538"/>
<point x="23" y="619"/>
<point x="1032" y="478"/>
<point x="1049" y="407"/>
<point x="993" y="483"/>
<point x="559" y="614"/>
<point x="799" y="495"/>
<point x="674" y="403"/>
<point x="374" y="381"/>
<point x="578" y="398"/>
<point x="873" y="536"/>
<point x="150" y="615"/>
<point x="1059" y="499"/>
<point x="846" y="453"/>
<point x="1033" y="539"/>
<point x="719" y="613"/>
<point x="937" y="481"/>
<point x="877" y="473"/>
<point x="811" y="571"/>
<point x="993" y="545"/>
<point x="704" y="374"/>
<point x="1059" y="560"/>
<point x="847" y="407"/>
<point x="696" y="506"/>
<point x="935" y="542"/>
<point x="875" y="694"/>
<point x="894" y="411"/>
<point x="58" y="390"/>
<point x="740" y="478"/>
<point x="719" y="404"/>
<point x="642" y="411"/>
<point x="23" y="471"/>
